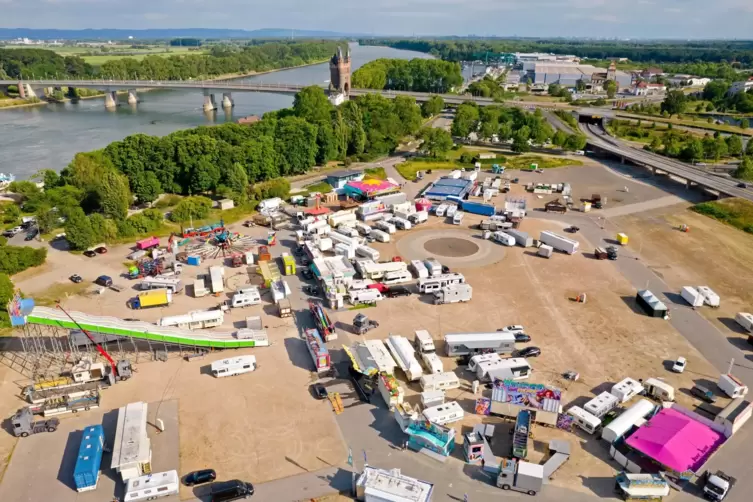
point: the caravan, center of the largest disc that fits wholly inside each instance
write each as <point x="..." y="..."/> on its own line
<point x="441" y="209"/>
<point x="601" y="404"/>
<point x="399" y="277"/>
<point x="380" y="235"/>
<point x="419" y="269"/>
<point x="198" y="319"/>
<point x="365" y="296"/>
<point x="233" y="366"/>
<point x="440" y="381"/>
<point x="159" y="282"/>
<point x="445" y="413"/>
<point x="152" y="486"/>
<point x="431" y="284"/>
<point x="458" y="218"/>
<point x="584" y="419"/>
<point x="385" y="226"/>
<point x="401" y="223"/>
<point x="248" y="297"/>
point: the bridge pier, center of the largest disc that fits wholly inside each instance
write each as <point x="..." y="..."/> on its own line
<point x="209" y="102"/>
<point x="227" y="100"/>
<point x="133" y="98"/>
<point x="689" y="184"/>
<point x="21" y="90"/>
<point x="111" y="100"/>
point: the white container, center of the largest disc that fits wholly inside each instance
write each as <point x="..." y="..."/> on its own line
<point x="367" y="252"/>
<point x="366" y="296"/>
<point x="709" y="297"/>
<point x="458" y="218"/>
<point x="745" y="320"/>
<point x="692" y="296"/>
<point x="432" y="398"/>
<point x="433" y="266"/>
<point x="731" y="386"/>
<point x="441" y="381"/>
<point x="419" y="269"/>
<point x="559" y="242"/>
<point x="584" y="419"/>
<point x="545" y="251"/>
<point x="443" y="414"/>
<point x="380" y="236"/>
<point x="503" y="238"/>
<point x="454" y="293"/>
<point x="521" y="238"/>
<point x="601" y="404"/>
<point x="233" y="366"/>
<point x="626" y="389"/>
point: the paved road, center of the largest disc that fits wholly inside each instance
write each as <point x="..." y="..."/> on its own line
<point x="557" y="123"/>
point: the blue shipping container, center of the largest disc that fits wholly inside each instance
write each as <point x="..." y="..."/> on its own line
<point x="193" y="260"/>
<point x="478" y="208"/>
<point x="86" y="473"/>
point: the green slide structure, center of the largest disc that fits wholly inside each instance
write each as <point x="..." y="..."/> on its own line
<point x="139" y="330"/>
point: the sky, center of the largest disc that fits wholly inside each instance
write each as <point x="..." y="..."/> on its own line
<point x="535" y="18"/>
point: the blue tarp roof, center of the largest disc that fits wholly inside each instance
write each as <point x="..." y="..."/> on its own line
<point x="445" y="187"/>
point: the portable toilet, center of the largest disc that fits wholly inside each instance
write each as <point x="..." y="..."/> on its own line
<point x="622" y="239"/>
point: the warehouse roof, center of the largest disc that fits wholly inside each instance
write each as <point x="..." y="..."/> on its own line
<point x="446" y="186"/>
<point x="569" y="68"/>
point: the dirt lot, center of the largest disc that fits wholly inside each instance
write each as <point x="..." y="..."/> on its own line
<point x="603" y="340"/>
<point x="711" y="254"/>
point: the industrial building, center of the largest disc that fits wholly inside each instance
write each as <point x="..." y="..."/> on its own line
<point x="569" y="74"/>
<point x="338" y="179"/>
<point x="448" y="187"/>
<point x="132" y="449"/>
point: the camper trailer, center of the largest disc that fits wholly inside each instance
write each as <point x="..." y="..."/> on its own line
<point x="584" y="419"/>
<point x="441" y="210"/>
<point x="442" y="381"/>
<point x="601" y="404"/>
<point x="454" y="293"/>
<point x="385" y="226"/>
<point x="435" y="283"/>
<point x="233" y="366"/>
<point x="401" y="223"/>
<point x="380" y="235"/>
<point x="460" y="344"/>
<point x="246" y="299"/>
<point x="368" y="295"/>
<point x="445" y="413"/>
<point x="159" y="282"/>
<point x="432" y="398"/>
<point x="458" y="218"/>
<point x="400" y="277"/>
<point x="152" y="486"/>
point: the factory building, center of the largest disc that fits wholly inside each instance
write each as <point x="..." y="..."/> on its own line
<point x="568" y="75"/>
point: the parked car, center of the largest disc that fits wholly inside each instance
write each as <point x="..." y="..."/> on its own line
<point x="224" y="491"/>
<point x="529" y="352"/>
<point x="572" y="229"/>
<point x="199" y="477"/>
<point x="104" y="280"/>
<point x="76" y="278"/>
<point x="379" y="287"/>
<point x="679" y="365"/>
<point x="742" y="185"/>
<point x="318" y="391"/>
<point x="397" y="291"/>
<point x="513" y="328"/>
<point x="521" y="337"/>
<point x="310" y="290"/>
<point x="90" y="254"/>
<point x="31" y="234"/>
<point x="101" y="250"/>
<point x="13" y="231"/>
<point x="307" y="274"/>
<point x="703" y="393"/>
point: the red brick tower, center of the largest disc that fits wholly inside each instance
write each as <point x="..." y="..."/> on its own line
<point x="339" y="72"/>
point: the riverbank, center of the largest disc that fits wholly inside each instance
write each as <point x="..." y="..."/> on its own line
<point x="220" y="78"/>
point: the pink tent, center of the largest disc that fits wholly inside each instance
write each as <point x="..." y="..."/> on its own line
<point x="676" y="441"/>
<point x="372" y="186"/>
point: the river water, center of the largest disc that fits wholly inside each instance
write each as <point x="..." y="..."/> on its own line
<point x="48" y="136"/>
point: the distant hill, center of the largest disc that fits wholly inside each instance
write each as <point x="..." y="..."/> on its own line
<point x="153" y="34"/>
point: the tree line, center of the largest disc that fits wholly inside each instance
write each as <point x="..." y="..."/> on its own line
<point x="222" y="60"/>
<point x="710" y="51"/>
<point x="420" y="75"/>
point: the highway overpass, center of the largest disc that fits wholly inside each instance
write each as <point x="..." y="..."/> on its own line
<point x="692" y="175"/>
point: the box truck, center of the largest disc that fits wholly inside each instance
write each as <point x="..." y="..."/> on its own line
<point x="454" y="293"/>
<point x="520" y="476"/>
<point x="419" y="269"/>
<point x="153" y="298"/>
<point x="418" y="217"/>
<point x="559" y="242"/>
<point x="731" y="386"/>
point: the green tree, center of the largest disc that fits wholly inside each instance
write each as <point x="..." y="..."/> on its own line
<point x="408" y="113"/>
<point x="580" y="86"/>
<point x="296" y="146"/>
<point x="554" y="89"/>
<point x="47" y="220"/>
<point x="611" y="88"/>
<point x="559" y="138"/>
<point x="744" y="124"/>
<point x="734" y="145"/>
<point x="655" y="144"/>
<point x="744" y="170"/>
<point x="749" y="148"/>
<point x="312" y="104"/>
<point x="78" y="230"/>
<point x="466" y="120"/>
<point x="433" y="106"/>
<point x="6" y="295"/>
<point x="23" y="187"/>
<point x="720" y="149"/>
<point x="104" y="229"/>
<point x="436" y="142"/>
<point x="674" y="103"/>
<point x="11" y="213"/>
<point x="236" y="180"/>
<point x="520" y="140"/>
<point x="576" y="142"/>
<point x="146" y="188"/>
<point x="196" y="207"/>
<point x="114" y="195"/>
<point x="48" y="177"/>
<point x="693" y="151"/>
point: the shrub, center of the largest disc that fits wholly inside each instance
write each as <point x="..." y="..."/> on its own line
<point x="196" y="207"/>
<point x="17" y="259"/>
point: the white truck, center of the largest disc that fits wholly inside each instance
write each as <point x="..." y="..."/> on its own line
<point x="419" y="217"/>
<point x="453" y="293"/>
<point x="419" y="269"/>
<point x="559" y="242"/>
<point x="731" y="386"/>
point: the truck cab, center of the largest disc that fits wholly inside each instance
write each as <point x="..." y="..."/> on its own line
<point x="716" y="485"/>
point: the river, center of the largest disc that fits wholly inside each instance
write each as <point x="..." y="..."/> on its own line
<point x="48" y="136"/>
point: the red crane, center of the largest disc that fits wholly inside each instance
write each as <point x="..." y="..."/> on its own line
<point x="91" y="338"/>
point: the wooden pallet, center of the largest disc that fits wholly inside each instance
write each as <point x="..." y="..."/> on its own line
<point x="337" y="404"/>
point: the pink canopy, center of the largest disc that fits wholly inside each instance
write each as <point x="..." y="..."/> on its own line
<point x="676" y="440"/>
<point x="372" y="186"/>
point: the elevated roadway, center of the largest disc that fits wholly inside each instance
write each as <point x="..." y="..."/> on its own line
<point x="598" y="138"/>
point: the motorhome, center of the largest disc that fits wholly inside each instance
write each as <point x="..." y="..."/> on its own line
<point x="199" y="319"/>
<point x="419" y="269"/>
<point x="460" y="344"/>
<point x="458" y="218"/>
<point x="441" y="209"/>
<point x="432" y="398"/>
<point x="441" y="381"/>
<point x="158" y="282"/>
<point x="584" y="419"/>
<point x="233" y="366"/>
<point x="400" y="277"/>
<point x="380" y="235"/>
<point x="362" y="228"/>
<point x="385" y="226"/>
<point x="601" y="404"/>
<point x="431" y="284"/>
<point x="433" y="266"/>
<point x="365" y="296"/>
<point x="445" y="413"/>
<point x="418" y="217"/>
<point x="401" y="223"/>
<point x="152" y="486"/>
<point x="454" y="293"/>
<point x="626" y="389"/>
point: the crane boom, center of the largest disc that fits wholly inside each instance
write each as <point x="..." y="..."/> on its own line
<point x="102" y="351"/>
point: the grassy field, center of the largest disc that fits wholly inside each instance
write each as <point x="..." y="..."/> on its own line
<point x="519" y="162"/>
<point x="59" y="292"/>
<point x="375" y="173"/>
<point x="320" y="186"/>
<point x="408" y="170"/>
<point x="94" y="56"/>
<point x="734" y="212"/>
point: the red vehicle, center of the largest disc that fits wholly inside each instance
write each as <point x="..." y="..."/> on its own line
<point x="148" y="243"/>
<point x="379" y="287"/>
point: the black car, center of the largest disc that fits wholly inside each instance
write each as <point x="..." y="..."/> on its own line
<point x="311" y="290"/>
<point x="224" y="491"/>
<point x="307" y="274"/>
<point x="318" y="391"/>
<point x="76" y="278"/>
<point x="32" y="233"/>
<point x="529" y="352"/>
<point x="90" y="254"/>
<point x="104" y="280"/>
<point x="199" y="477"/>
<point x="445" y="269"/>
<point x="522" y="338"/>
<point x="742" y="185"/>
<point x="397" y="291"/>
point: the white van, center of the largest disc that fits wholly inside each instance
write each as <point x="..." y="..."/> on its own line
<point x="233" y="366"/>
<point x="441" y="209"/>
<point x="401" y="223"/>
<point x="440" y="381"/>
<point x="584" y="419"/>
<point x="386" y="226"/>
<point x="445" y="413"/>
<point x="369" y="295"/>
<point x="245" y="300"/>
<point x="380" y="235"/>
<point x="458" y="218"/>
<point x="402" y="277"/>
